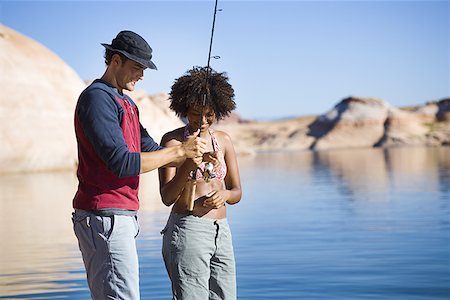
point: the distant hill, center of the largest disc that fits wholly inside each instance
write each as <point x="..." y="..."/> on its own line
<point x="36" y="106"/>
<point x="354" y="122"/>
<point x="39" y="93"/>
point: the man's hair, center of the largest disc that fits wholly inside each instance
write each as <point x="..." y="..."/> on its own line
<point x="189" y="90"/>
<point x="109" y="54"/>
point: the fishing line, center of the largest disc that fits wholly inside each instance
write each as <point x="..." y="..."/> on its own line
<point x="208" y="68"/>
<point x="205" y="95"/>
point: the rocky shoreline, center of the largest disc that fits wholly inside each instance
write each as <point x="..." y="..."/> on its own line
<point x="355" y="122"/>
<point x="40" y="92"/>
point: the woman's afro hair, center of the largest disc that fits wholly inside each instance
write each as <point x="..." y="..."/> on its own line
<point x="189" y="90"/>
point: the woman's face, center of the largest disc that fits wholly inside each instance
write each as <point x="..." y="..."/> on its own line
<point x="193" y="116"/>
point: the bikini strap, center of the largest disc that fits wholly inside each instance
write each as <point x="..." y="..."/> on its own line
<point x="214" y="142"/>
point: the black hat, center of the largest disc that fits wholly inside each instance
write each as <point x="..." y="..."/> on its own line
<point x="134" y="47"/>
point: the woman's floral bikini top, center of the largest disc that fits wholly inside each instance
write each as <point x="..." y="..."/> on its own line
<point x="221" y="170"/>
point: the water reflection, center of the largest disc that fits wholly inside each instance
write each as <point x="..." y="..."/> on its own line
<point x="347" y="224"/>
<point x="39" y="254"/>
<point x="363" y="174"/>
<point x="34" y="228"/>
<point x="334" y="221"/>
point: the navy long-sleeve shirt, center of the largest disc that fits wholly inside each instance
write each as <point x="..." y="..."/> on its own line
<point x="100" y="116"/>
<point x="110" y="139"/>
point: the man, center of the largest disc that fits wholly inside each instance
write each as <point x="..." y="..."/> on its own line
<point x="113" y="149"/>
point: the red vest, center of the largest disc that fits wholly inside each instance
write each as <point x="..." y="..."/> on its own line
<point x="98" y="187"/>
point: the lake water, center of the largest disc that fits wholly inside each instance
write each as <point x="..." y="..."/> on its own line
<point x="347" y="224"/>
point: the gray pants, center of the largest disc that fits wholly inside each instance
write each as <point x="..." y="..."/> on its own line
<point x="108" y="247"/>
<point x="199" y="258"/>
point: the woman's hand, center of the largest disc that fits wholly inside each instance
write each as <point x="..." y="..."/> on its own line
<point x="216" y="199"/>
<point x="212" y="157"/>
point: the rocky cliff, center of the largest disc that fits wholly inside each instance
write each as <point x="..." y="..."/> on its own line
<point x="39" y="94"/>
<point x="355" y="122"/>
<point x="36" y="106"/>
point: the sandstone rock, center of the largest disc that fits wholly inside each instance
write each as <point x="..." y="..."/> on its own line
<point x="155" y="114"/>
<point x="435" y="111"/>
<point x="353" y="122"/>
<point x="443" y="113"/>
<point x="279" y="135"/>
<point x="427" y="112"/>
<point x="403" y="128"/>
<point x="233" y="118"/>
<point x="39" y="92"/>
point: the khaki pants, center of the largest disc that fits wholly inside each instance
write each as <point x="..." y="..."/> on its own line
<point x="108" y="248"/>
<point x="199" y="258"/>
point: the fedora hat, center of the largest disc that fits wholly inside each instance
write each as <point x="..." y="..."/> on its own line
<point x="133" y="46"/>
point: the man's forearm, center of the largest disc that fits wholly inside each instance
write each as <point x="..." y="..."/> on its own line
<point x="193" y="146"/>
<point x="156" y="159"/>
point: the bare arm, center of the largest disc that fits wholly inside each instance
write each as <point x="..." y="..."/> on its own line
<point x="172" y="180"/>
<point x="174" y="154"/>
<point x="233" y="179"/>
<point x="233" y="193"/>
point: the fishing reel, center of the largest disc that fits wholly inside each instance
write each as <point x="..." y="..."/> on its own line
<point x="208" y="172"/>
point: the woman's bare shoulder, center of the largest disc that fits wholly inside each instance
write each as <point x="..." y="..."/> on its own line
<point x="173" y="137"/>
<point x="222" y="134"/>
<point x="223" y="138"/>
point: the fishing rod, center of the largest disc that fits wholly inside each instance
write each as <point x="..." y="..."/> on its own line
<point x="208" y="166"/>
<point x="208" y="68"/>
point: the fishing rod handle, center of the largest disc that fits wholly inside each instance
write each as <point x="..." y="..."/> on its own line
<point x="193" y="187"/>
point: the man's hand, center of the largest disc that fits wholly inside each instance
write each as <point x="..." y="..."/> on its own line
<point x="194" y="146"/>
<point x="197" y="160"/>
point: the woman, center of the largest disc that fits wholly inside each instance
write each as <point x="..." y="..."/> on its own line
<point x="197" y="246"/>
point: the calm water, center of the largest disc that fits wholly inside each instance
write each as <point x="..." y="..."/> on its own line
<point x="349" y="224"/>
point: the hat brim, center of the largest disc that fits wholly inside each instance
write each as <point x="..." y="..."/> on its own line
<point x="146" y="63"/>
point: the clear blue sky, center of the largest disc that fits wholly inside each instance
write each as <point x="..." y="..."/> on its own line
<point x="284" y="59"/>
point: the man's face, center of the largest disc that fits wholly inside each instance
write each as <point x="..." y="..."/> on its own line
<point x="128" y="74"/>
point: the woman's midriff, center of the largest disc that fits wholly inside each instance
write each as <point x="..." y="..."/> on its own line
<point x="202" y="189"/>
